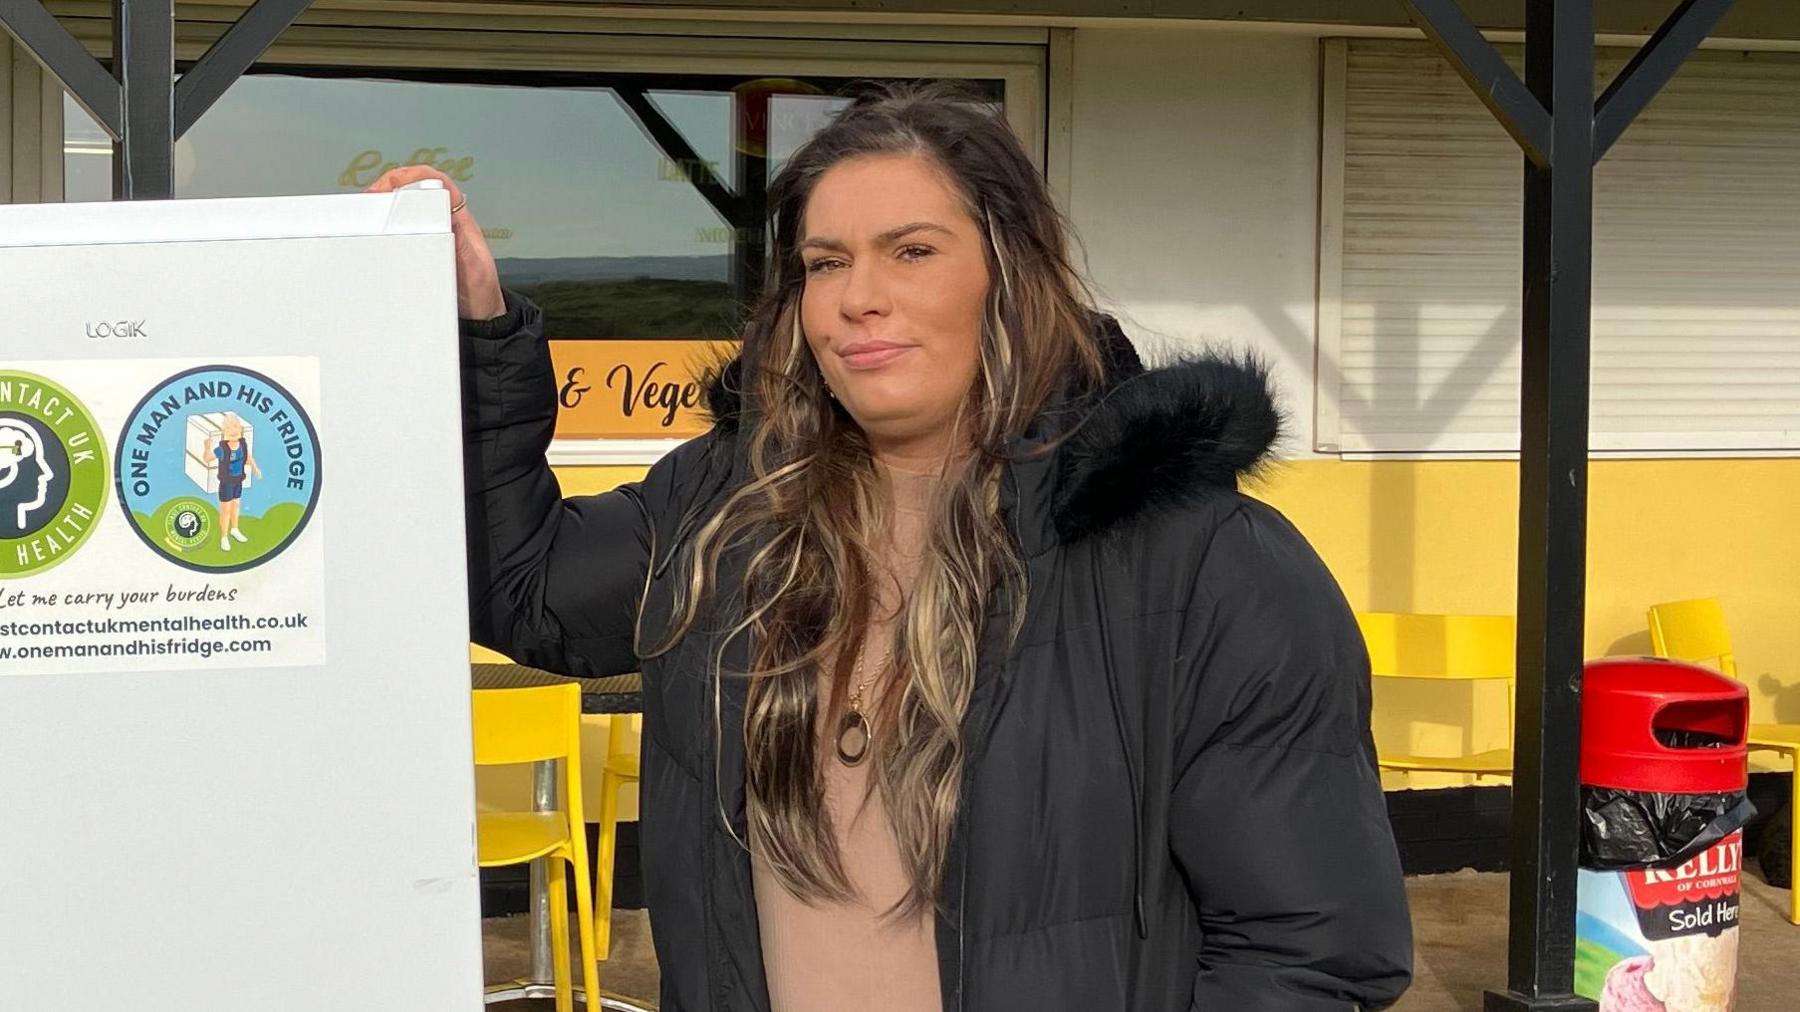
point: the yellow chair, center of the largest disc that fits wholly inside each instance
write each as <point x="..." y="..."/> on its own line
<point x="1695" y="631"/>
<point x="1459" y="648"/>
<point x="538" y="724"/>
<point x="621" y="769"/>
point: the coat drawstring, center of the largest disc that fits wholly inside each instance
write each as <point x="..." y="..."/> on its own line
<point x="1137" y="791"/>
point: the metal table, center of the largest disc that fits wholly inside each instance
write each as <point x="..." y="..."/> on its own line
<point x="619" y="694"/>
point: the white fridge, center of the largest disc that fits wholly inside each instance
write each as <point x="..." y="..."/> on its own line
<point x="235" y="765"/>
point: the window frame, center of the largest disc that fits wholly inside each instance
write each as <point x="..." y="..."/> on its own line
<point x="561" y="48"/>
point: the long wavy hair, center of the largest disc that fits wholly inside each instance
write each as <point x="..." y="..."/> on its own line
<point x="810" y="511"/>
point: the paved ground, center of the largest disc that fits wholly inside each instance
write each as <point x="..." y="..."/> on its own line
<point x="1460" y="922"/>
<point x="631" y="970"/>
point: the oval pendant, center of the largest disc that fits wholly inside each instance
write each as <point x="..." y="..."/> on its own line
<point x="854" y="739"/>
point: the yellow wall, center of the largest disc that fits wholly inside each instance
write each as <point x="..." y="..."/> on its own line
<point x="1440" y="536"/>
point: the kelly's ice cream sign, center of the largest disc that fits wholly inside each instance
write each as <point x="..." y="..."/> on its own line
<point x="1662" y="939"/>
<point x="1701" y="895"/>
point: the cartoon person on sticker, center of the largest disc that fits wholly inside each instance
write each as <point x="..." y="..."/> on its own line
<point x="25" y="475"/>
<point x="235" y="462"/>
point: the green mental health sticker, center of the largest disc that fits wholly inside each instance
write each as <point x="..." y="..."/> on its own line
<point x="53" y="473"/>
<point x="187" y="525"/>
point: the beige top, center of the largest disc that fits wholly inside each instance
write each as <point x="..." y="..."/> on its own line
<point x="847" y="957"/>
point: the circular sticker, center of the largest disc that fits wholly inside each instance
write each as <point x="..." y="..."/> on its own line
<point x="218" y="468"/>
<point x="52" y="473"/>
<point x="189" y="524"/>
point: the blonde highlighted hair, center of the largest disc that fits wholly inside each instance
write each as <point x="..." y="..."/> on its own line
<point x="807" y="517"/>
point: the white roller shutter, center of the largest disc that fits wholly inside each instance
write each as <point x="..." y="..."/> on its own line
<point x="1696" y="334"/>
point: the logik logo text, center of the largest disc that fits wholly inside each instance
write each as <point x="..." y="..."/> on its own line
<point x="122" y="328"/>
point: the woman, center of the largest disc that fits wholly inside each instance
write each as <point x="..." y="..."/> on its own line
<point x="971" y="683"/>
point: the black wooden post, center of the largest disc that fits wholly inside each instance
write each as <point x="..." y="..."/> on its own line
<point x="1553" y="452"/>
<point x="138" y="102"/>
<point x="144" y="64"/>
<point x="1553" y="116"/>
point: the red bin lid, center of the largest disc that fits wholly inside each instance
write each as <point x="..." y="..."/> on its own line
<point x="1663" y="726"/>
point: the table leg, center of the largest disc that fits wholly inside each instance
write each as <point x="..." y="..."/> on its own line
<point x="544" y="799"/>
<point x="546" y="791"/>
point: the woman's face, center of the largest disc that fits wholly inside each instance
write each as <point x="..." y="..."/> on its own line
<point x="896" y="288"/>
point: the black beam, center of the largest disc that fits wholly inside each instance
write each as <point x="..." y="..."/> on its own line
<point x="144" y="60"/>
<point x="1764" y="19"/>
<point x="1479" y="63"/>
<point x="749" y="240"/>
<point x="241" y="45"/>
<point x="48" y="42"/>
<point x="1651" y="67"/>
<point x="1553" y="453"/>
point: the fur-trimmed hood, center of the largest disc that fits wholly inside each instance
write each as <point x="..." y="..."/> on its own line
<point x="1154" y="440"/>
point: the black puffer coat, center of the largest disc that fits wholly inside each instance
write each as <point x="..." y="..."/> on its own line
<point x="1170" y="800"/>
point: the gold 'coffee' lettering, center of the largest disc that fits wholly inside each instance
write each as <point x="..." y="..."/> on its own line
<point x="367" y="166"/>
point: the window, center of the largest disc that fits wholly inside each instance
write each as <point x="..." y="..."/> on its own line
<point x="629" y="204"/>
<point x="1696" y="322"/>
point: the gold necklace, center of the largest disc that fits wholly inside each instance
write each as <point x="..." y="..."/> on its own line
<point x="856" y="736"/>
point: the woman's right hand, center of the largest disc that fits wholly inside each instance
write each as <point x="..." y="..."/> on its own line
<point x="477" y="279"/>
